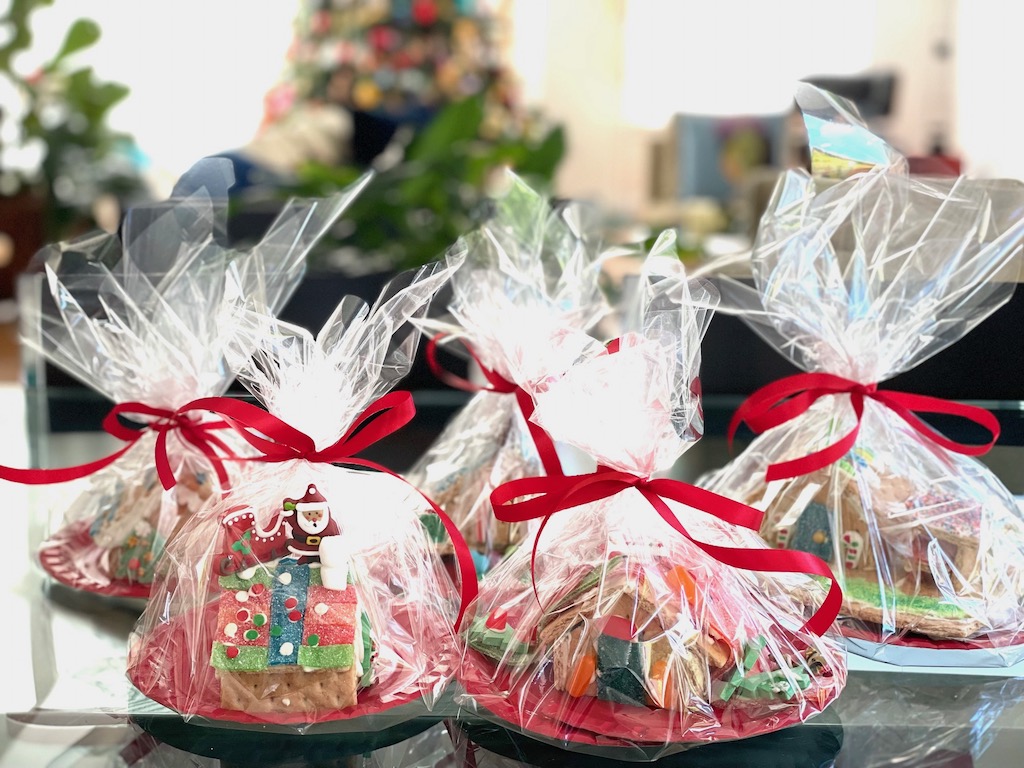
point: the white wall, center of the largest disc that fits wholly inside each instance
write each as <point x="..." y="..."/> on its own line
<point x="989" y="106"/>
<point x="617" y="70"/>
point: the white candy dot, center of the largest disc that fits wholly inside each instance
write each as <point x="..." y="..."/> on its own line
<point x="247" y="574"/>
<point x="287" y="649"/>
<point x="285" y="578"/>
<point x="286" y="702"/>
<point x="231" y="629"/>
<point x="321" y="608"/>
<point x="241" y="595"/>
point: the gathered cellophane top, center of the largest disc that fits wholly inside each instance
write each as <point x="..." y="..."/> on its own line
<point x="522" y="301"/>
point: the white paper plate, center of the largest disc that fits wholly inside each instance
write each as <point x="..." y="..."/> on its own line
<point x="913" y="656"/>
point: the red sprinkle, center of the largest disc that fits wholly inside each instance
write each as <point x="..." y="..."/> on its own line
<point x="242" y="615"/>
<point x="290" y="602"/>
<point x="295" y="615"/>
<point x="231" y="651"/>
<point x="257" y="589"/>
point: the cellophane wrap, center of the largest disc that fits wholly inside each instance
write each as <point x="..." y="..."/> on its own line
<point x="309" y="596"/>
<point x="864" y="278"/>
<point x="611" y="632"/>
<point x="137" y="318"/>
<point x="528" y="286"/>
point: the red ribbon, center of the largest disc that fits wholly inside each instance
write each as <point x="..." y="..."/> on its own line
<point x="277" y="441"/>
<point x="498" y="383"/>
<point x="163" y="422"/>
<point x="554" y="494"/>
<point x="788" y="398"/>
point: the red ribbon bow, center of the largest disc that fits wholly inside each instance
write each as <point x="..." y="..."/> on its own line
<point x="163" y="422"/>
<point x="788" y="398"/>
<point x="277" y="441"/>
<point x="498" y="383"/>
<point x="554" y="494"/>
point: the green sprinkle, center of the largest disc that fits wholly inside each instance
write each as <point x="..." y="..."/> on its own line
<point x="276" y="631"/>
<point x="251" y="634"/>
<point x="259" y="619"/>
<point x="313" y="639"/>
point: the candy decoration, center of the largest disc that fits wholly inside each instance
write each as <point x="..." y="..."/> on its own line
<point x="620" y="666"/>
<point x="582" y="675"/>
<point x="680" y="580"/>
<point x="286" y="610"/>
<point x="270" y="634"/>
<point x="664" y="685"/>
<point x="751" y="652"/>
<point x="498" y="619"/>
<point x="853" y="546"/>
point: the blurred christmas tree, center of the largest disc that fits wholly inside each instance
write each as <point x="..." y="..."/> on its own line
<point x="423" y="78"/>
<point x="399" y="60"/>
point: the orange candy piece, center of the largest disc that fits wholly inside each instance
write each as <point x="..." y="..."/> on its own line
<point x="582" y="674"/>
<point x="680" y="580"/>
<point x="661" y="676"/>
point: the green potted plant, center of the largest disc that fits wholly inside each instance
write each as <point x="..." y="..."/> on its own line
<point x="64" y="156"/>
<point x="414" y="209"/>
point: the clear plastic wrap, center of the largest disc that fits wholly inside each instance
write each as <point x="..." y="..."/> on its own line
<point x="309" y="597"/>
<point x="528" y="287"/>
<point x="856" y="281"/>
<point x="646" y="616"/>
<point x="137" y="317"/>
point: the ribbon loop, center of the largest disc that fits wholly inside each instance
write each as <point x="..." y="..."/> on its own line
<point x="499" y="384"/>
<point x="549" y="495"/>
<point x="788" y="398"/>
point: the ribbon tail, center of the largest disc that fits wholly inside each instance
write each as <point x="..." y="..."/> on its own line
<point x="541" y="440"/>
<point x="812" y="462"/>
<point x="769" y="560"/>
<point x="467" y="570"/>
<point x="59" y="474"/>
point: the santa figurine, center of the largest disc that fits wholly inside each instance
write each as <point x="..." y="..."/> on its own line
<point x="312" y="524"/>
<point x="316" y="538"/>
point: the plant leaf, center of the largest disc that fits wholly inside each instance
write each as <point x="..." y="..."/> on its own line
<point x="82" y="34"/>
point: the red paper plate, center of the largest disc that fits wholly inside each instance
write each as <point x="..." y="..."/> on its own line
<point x="71" y="557"/>
<point x="168" y="679"/>
<point x="542" y="710"/>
